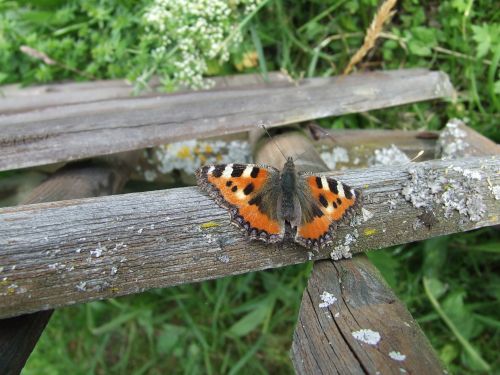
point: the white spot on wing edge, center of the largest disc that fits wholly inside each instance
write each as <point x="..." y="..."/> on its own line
<point x="248" y="170"/>
<point x="227" y="171"/>
<point x="211" y="169"/>
<point x="324" y="182"/>
<point x="340" y="188"/>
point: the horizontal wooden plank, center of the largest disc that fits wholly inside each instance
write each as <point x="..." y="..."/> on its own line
<point x="344" y="299"/>
<point x="15" y="99"/>
<point x="60" y="253"/>
<point x="19" y="335"/>
<point x="87" y="129"/>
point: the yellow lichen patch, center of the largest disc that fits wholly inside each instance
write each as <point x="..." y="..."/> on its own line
<point x="114" y="289"/>
<point x="4" y="282"/>
<point x="11" y="290"/>
<point x="370" y="231"/>
<point x="209" y="149"/>
<point x="210" y="224"/>
<point x="366" y="186"/>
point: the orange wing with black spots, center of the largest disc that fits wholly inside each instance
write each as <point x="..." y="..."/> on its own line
<point x="249" y="192"/>
<point x="325" y="203"/>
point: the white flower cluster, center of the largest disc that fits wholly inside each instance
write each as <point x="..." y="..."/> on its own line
<point x="193" y="32"/>
<point x="190" y="155"/>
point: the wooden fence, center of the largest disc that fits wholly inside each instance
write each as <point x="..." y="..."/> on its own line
<point x="63" y="247"/>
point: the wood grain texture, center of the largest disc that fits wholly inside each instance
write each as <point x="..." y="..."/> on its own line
<point x="60" y="253"/>
<point x="81" y="130"/>
<point x="323" y="340"/>
<point x="16" y="99"/>
<point x="19" y="335"/>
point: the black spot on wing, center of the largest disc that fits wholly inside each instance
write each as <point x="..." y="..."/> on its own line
<point x="234" y="189"/>
<point x="248" y="189"/>
<point x="257" y="200"/>
<point x="334" y="205"/>
<point x="323" y="200"/>
<point x="319" y="183"/>
<point x="218" y="170"/>
<point x="339" y="202"/>
<point x="238" y="170"/>
<point x="347" y="191"/>
<point x="229" y="183"/>
<point x="332" y="185"/>
<point x="255" y="172"/>
<point x="316" y="211"/>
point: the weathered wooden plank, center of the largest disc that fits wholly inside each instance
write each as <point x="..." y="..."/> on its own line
<point x="19" y="335"/>
<point x="457" y="140"/>
<point x="324" y="341"/>
<point x="82" y="130"/>
<point x="15" y="99"/>
<point x="55" y="254"/>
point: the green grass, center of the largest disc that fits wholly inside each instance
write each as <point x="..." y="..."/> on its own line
<point x="244" y="324"/>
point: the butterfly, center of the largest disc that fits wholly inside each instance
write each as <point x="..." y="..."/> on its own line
<point x="264" y="201"/>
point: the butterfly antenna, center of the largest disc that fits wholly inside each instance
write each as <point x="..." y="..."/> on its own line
<point x="274" y="141"/>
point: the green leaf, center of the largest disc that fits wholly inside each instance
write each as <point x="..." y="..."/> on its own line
<point x="436" y="287"/>
<point x="448" y="353"/>
<point x="425" y="35"/>
<point x="454" y="307"/>
<point x="497" y="87"/>
<point x="435" y="255"/>
<point x="481" y="35"/>
<point x="251" y="320"/>
<point x="492" y="247"/>
<point x="473" y="354"/>
<point x="419" y="48"/>
<point x="386" y="264"/>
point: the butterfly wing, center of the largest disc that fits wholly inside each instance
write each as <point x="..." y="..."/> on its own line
<point x="324" y="203"/>
<point x="250" y="193"/>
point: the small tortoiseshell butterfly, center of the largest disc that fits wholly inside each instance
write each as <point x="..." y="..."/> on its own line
<point x="264" y="201"/>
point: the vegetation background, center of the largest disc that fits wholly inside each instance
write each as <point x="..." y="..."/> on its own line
<point x="244" y="324"/>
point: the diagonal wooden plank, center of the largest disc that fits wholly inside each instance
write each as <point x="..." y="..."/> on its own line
<point x="324" y="341"/>
<point x="60" y="253"/>
<point x="95" y="128"/>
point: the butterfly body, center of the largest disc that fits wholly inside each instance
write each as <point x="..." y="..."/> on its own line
<point x="271" y="205"/>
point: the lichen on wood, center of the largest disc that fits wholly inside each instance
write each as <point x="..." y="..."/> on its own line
<point x="173" y="247"/>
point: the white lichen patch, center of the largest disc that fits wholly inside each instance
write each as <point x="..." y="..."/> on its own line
<point x="81" y="286"/>
<point x="337" y="314"/>
<point x="336" y="155"/>
<point x="451" y="143"/>
<point x="457" y="190"/>
<point x="98" y="250"/>
<point x="224" y="258"/>
<point x="343" y="249"/>
<point x="397" y="356"/>
<point x="140" y="230"/>
<point x="367" y="336"/>
<point x="495" y="190"/>
<point x="327" y="298"/>
<point x="114" y="270"/>
<point x="388" y="156"/>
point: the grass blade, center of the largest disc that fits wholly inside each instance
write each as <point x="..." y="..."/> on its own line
<point x="481" y="363"/>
